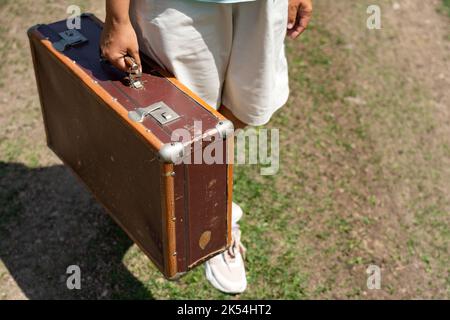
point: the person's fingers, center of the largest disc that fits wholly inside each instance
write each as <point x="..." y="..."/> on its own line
<point x="303" y="19"/>
<point x="119" y="63"/>
<point x="295" y="33"/>
<point x="296" y="30"/>
<point x="137" y="58"/>
<point x="292" y="15"/>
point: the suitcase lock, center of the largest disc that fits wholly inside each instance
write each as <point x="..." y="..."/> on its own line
<point x="160" y="111"/>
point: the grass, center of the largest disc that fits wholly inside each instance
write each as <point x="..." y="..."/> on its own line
<point x="446" y="7"/>
<point x="362" y="181"/>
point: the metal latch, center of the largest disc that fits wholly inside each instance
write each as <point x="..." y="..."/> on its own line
<point x="69" y="38"/>
<point x="160" y="111"/>
<point x="134" y="73"/>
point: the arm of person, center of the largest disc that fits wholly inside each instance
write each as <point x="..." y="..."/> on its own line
<point x="118" y="38"/>
<point x="300" y="13"/>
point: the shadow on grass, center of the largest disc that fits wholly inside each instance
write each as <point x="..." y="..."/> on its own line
<point x="48" y="221"/>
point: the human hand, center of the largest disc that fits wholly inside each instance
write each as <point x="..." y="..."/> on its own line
<point x="119" y="40"/>
<point x="300" y="13"/>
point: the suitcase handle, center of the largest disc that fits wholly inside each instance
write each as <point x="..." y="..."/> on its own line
<point x="133" y="66"/>
<point x="134" y="71"/>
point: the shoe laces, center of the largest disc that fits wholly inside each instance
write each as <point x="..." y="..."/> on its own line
<point x="236" y="244"/>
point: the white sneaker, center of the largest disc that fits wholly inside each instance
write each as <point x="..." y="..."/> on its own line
<point x="236" y="213"/>
<point x="226" y="271"/>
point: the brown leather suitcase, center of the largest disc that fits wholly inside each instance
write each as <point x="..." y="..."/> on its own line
<point x="118" y="140"/>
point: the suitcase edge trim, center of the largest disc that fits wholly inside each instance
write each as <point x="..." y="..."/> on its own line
<point x="230" y="183"/>
<point x="168" y="206"/>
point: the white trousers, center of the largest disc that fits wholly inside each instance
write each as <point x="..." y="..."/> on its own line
<point x="230" y="54"/>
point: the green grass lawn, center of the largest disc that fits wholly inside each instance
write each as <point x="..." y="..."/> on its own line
<point x="446" y="5"/>
<point x="363" y="180"/>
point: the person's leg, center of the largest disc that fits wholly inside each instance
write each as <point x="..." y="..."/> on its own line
<point x="256" y="83"/>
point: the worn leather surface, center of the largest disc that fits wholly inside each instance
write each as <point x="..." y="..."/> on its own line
<point x="118" y="167"/>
